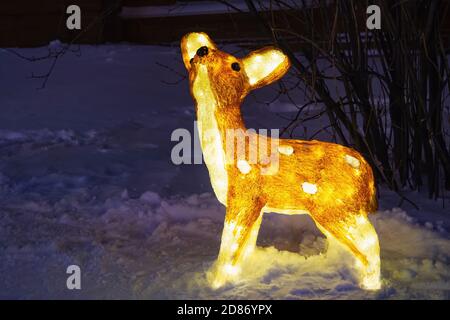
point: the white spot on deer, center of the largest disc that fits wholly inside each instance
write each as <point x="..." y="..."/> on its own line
<point x="310" y="188"/>
<point x="286" y="150"/>
<point x="352" y="161"/>
<point x="243" y="166"/>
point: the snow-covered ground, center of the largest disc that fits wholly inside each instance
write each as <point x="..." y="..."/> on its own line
<point x="86" y="179"/>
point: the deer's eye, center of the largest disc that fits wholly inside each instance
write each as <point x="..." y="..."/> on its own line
<point x="235" y="66"/>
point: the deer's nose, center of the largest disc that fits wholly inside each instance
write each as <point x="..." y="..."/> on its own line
<point x="202" y="51"/>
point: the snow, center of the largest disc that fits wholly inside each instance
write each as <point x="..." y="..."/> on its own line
<point x="86" y="179"/>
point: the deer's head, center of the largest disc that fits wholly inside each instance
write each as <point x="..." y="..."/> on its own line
<point x="227" y="78"/>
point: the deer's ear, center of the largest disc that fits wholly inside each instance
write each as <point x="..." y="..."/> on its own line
<point x="265" y="66"/>
<point x="191" y="42"/>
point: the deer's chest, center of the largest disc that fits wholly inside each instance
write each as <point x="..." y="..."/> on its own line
<point x="214" y="156"/>
<point x="210" y="138"/>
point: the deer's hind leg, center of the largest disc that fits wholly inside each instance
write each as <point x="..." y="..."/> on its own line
<point x="240" y="231"/>
<point x="358" y="235"/>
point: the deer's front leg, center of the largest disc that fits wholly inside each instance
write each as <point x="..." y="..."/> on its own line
<point x="239" y="235"/>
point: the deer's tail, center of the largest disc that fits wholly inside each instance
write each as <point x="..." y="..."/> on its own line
<point x="372" y="204"/>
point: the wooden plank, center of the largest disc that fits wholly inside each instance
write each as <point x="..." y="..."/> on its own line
<point x="35" y="28"/>
<point x="32" y="30"/>
<point x="38" y="7"/>
<point x="142" y="3"/>
<point x="221" y="26"/>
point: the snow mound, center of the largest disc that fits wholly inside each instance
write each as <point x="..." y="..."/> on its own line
<point x="150" y="247"/>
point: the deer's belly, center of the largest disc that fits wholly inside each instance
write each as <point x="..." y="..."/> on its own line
<point x="285" y="211"/>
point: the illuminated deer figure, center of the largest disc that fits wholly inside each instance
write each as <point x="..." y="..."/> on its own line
<point x="330" y="182"/>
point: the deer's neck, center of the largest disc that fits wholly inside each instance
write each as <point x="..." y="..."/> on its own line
<point x="212" y="125"/>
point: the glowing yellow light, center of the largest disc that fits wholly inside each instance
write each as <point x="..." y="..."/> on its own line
<point x="231" y="270"/>
<point x="260" y="64"/>
<point x="330" y="182"/>
<point x="310" y="188"/>
<point x="361" y="220"/>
